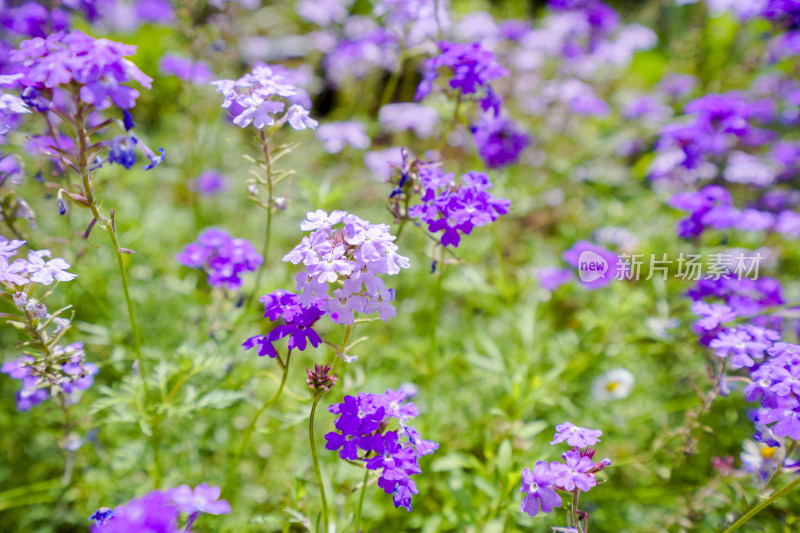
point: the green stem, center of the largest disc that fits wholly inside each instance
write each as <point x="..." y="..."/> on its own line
<point x="270" y="200"/>
<point x="348" y="332"/>
<point x="754" y="510"/>
<point x="248" y="432"/>
<point x="88" y="191"/>
<point x="69" y="465"/>
<point x="438" y="299"/>
<point x="361" y="501"/>
<point x="317" y="470"/>
<point x="575" y="521"/>
<point x="391" y="85"/>
<point x="129" y="303"/>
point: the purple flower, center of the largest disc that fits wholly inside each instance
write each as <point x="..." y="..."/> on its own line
<point x="421" y="446"/>
<point x="8" y="248"/>
<point x="382" y="162"/>
<point x="153" y="513"/>
<point x="576" y="436"/>
<point x="97" y="65"/>
<point x="418" y="118"/>
<point x="551" y="278"/>
<point x="740" y="346"/>
<point x="452" y="208"/>
<point x="224" y="258"/>
<point x="361" y="415"/>
<point x="676" y="86"/>
<point x="537" y="486"/>
<point x="260" y="95"/>
<point x="361" y="424"/>
<point x="12" y="273"/>
<point x="713" y="315"/>
<point x="159" y="11"/>
<point x="500" y="141"/>
<point x="471" y="67"/>
<point x="393" y="403"/>
<point x="354" y="255"/>
<point x="123" y="151"/>
<point x="349" y="444"/>
<point x="202" y="499"/>
<point x="787" y="415"/>
<point x="334" y="136"/>
<point x="196" y="72"/>
<point x="576" y="473"/>
<point x="101" y="516"/>
<point x="298" y="321"/>
<point x="209" y="183"/>
<point x="392" y="457"/>
<point x="45" y="272"/>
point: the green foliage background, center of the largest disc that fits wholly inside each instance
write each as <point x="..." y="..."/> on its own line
<point x="498" y="360"/>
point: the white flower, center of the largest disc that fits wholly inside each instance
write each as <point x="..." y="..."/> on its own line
<point x="45" y="272"/>
<point x="613" y="385"/>
<point x="757" y="456"/>
<point x="299" y="119"/>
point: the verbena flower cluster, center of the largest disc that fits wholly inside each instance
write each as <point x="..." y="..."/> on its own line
<point x="452" y="207"/>
<point x="48" y="368"/>
<point x="223" y="257"/>
<point x="343" y="257"/>
<point x="98" y="68"/>
<point x="470" y="69"/>
<point x="159" y="511"/>
<point x="296" y="322"/>
<point x="576" y="474"/>
<point x="362" y="435"/>
<point x="753" y="343"/>
<point x="258" y="97"/>
<point x="68" y="77"/>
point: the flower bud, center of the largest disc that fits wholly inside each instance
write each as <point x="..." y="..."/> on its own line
<point x="320" y="380"/>
<point x="20" y="299"/>
<point x="38" y="310"/>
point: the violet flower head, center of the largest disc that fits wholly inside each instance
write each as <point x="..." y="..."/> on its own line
<point x="740" y="346"/>
<point x="258" y="98"/>
<point x="470" y="67"/>
<point x="551" y="278"/>
<point x="500" y="141"/>
<point x="538" y="488"/>
<point x="154" y="512"/>
<point x="12" y="273"/>
<point x="576" y="472"/>
<point x="46" y="271"/>
<point x="335" y="136"/>
<point x="448" y="206"/>
<point x="101" y="516"/>
<point x="98" y="66"/>
<point x="295" y="321"/>
<point x="223" y="257"/>
<point x="350" y="257"/>
<point x="576" y="435"/>
<point x="209" y="183"/>
<point x="712" y="315"/>
<point x="183" y="68"/>
<point x="203" y="499"/>
<point x="418" y="118"/>
<point x="363" y="435"/>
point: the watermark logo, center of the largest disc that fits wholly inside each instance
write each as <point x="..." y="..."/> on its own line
<point x="591" y="266"/>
